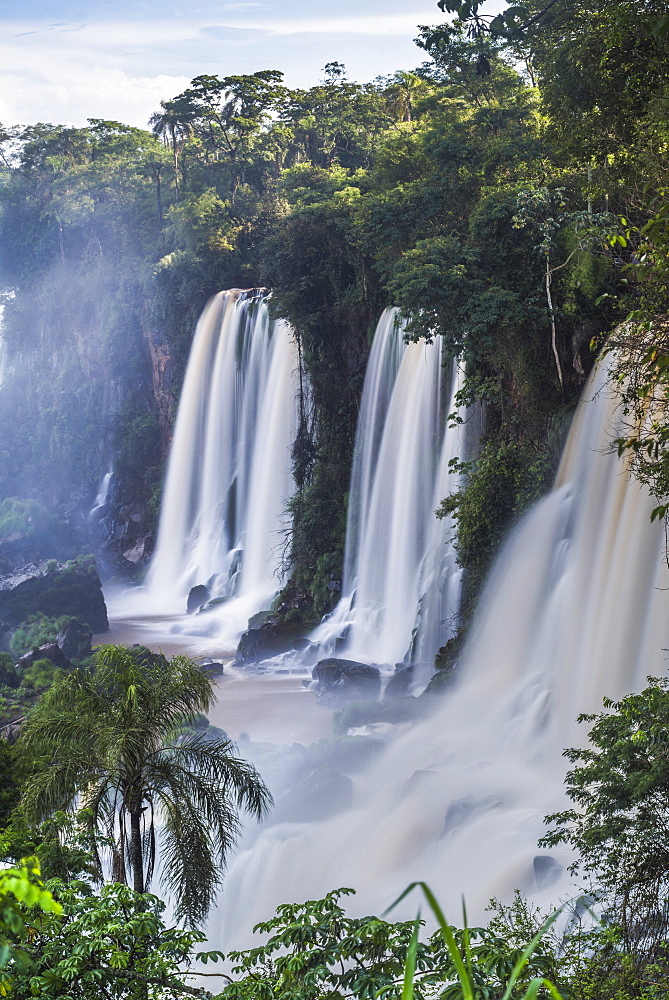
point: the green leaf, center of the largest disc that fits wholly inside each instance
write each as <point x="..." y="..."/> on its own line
<point x="410" y="962"/>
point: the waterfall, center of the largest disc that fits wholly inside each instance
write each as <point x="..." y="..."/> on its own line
<point x="575" y="610"/>
<point x="100" y="520"/>
<point x="401" y="585"/>
<point x="229" y="472"/>
<point x="102" y="496"/>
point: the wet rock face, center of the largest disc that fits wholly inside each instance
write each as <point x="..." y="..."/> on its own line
<point x="49" y="651"/>
<point x="75" y="641"/>
<point x="268" y="635"/>
<point x="214" y="668"/>
<point x="339" y="681"/>
<point x="54" y="589"/>
<point x="197" y="597"/>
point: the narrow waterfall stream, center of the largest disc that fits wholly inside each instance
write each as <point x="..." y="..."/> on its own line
<point x="229" y="473"/>
<point x="102" y="496"/>
<point x="401" y="586"/>
<point x="575" y="610"/>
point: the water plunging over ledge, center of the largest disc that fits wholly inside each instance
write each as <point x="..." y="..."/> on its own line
<point x="229" y="473"/>
<point x="401" y="587"/>
<point x="575" y="609"/>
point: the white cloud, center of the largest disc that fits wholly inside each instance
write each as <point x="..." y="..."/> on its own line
<point x="71" y="97"/>
<point x="68" y="73"/>
<point x="378" y="25"/>
<point x="122" y="69"/>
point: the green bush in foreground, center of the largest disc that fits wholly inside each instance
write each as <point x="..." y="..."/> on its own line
<point x="314" y="950"/>
<point x="114" y="943"/>
<point x="22" y="896"/>
<point x="36" y="631"/>
<point x="619" y="787"/>
<point x="111" y="945"/>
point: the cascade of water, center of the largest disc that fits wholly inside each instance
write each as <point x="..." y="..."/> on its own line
<point x="385" y="357"/>
<point x="102" y="496"/>
<point x="401" y="586"/>
<point x="100" y="517"/>
<point x="229" y="472"/>
<point x="575" y="609"/>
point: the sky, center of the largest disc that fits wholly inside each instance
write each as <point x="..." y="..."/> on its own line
<point x="63" y="61"/>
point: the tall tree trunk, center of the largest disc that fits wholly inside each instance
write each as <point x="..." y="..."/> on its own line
<point x="136" y="851"/>
<point x="156" y="175"/>
<point x="551" y="312"/>
<point x="175" y="155"/>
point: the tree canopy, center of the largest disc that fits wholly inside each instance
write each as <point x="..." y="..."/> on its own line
<point x="620" y="789"/>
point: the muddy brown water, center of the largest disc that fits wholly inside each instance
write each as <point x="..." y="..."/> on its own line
<point x="274" y="708"/>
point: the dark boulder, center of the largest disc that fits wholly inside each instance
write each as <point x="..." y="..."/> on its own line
<point x="340" y="681"/>
<point x="268" y="635"/>
<point x="54" y="589"/>
<point x="213" y="667"/>
<point x="400" y="683"/>
<point x="49" y="651"/>
<point x="75" y="640"/>
<point x="546" y="870"/>
<point x="198" y="596"/>
<point x="463" y="811"/>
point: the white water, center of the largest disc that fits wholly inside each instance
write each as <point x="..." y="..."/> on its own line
<point x="401" y="586"/>
<point x="102" y="496"/>
<point x="576" y="609"/>
<point x="229" y="472"/>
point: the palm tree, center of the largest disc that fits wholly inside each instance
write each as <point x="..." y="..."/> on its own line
<point x="401" y="93"/>
<point x="109" y="740"/>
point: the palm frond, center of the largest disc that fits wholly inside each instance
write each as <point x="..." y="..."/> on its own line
<point x="216" y="761"/>
<point x="189" y="871"/>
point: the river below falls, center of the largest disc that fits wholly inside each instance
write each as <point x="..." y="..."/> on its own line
<point x="268" y="708"/>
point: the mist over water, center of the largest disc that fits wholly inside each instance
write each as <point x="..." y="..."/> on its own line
<point x="575" y="609"/>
